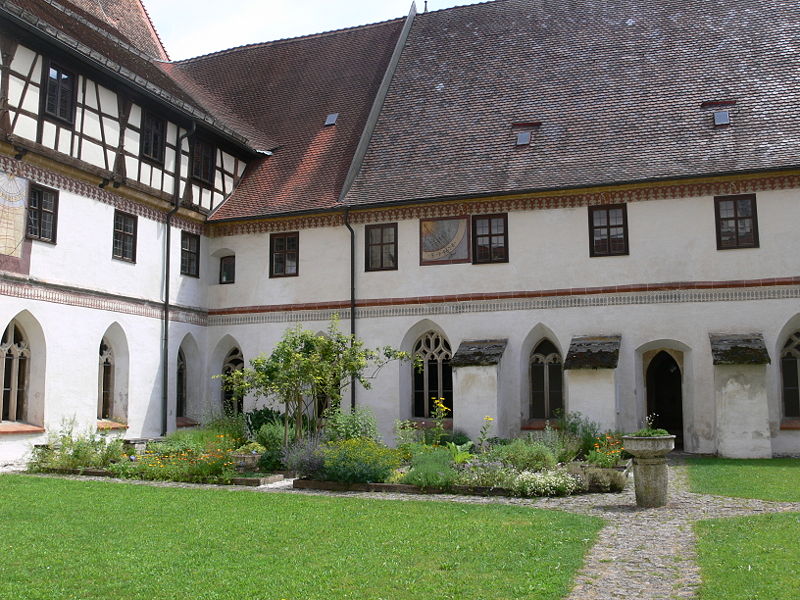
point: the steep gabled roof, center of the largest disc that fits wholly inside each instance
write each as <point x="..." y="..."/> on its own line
<point x="616" y="84"/>
<point x="97" y="42"/>
<point x="286" y="89"/>
<point x="130" y="19"/>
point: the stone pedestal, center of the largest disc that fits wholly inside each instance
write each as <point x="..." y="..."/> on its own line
<point x="650" y="471"/>
<point x="651" y="479"/>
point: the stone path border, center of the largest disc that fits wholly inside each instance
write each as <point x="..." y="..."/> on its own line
<point x="640" y="554"/>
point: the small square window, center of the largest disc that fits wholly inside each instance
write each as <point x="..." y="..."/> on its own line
<point x="737" y="221"/>
<point x="381" y="248"/>
<point x="124" y="236"/>
<point x="489" y="239"/>
<point x="523" y="138"/>
<point x="608" y="230"/>
<point x="42" y="214"/>
<point x="190" y="254"/>
<point x="152" y="137"/>
<point x="331" y="119"/>
<point x="227" y="269"/>
<point x="59" y="101"/>
<point x="283" y="252"/>
<point x="203" y="161"/>
<point x="722" y="118"/>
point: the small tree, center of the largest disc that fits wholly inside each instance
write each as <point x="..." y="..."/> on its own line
<point x="307" y="373"/>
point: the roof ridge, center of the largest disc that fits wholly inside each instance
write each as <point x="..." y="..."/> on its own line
<point x="153" y="27"/>
<point x="284" y="41"/>
<point x="431" y="12"/>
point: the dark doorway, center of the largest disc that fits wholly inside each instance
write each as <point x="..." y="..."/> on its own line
<point x="664" y="397"/>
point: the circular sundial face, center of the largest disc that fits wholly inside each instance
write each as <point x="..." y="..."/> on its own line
<point x="10" y="191"/>
<point x="440" y="239"/>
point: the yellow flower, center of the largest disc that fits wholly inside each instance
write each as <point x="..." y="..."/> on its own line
<point x="488" y="418"/>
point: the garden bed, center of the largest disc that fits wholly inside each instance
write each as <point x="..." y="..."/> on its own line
<point x="254" y="481"/>
<point x="395" y="488"/>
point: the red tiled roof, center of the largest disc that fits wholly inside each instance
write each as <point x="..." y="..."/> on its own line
<point x="286" y="89"/>
<point x="128" y="18"/>
<point x="100" y="43"/>
<point x="616" y="84"/>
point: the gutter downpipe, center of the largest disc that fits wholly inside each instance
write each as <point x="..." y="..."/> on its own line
<point x="352" y="298"/>
<point x="358" y="159"/>
<point x="176" y="203"/>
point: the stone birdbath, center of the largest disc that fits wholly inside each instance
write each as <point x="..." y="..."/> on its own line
<point x="650" y="473"/>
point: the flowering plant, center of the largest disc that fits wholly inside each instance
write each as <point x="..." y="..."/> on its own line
<point x="487" y="423"/>
<point x="439" y="414"/>
<point x="607" y="451"/>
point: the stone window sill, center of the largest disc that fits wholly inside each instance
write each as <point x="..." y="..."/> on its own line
<point x="15" y="428"/>
<point x="791" y="424"/>
<point x="106" y="425"/>
<point x="185" y="422"/>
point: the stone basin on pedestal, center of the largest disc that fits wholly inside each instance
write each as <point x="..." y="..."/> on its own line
<point x="650" y="473"/>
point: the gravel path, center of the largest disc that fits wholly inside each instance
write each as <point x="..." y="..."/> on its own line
<point x="640" y="554"/>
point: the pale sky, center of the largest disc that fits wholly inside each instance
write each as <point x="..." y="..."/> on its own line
<point x="194" y="27"/>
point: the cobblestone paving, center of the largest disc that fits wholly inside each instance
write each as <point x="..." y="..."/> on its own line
<point x="641" y="554"/>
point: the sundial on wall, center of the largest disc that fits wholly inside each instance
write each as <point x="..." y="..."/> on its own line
<point x="444" y="240"/>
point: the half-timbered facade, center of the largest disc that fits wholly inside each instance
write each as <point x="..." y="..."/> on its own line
<point x="557" y="209"/>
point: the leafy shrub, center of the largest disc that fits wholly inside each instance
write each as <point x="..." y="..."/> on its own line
<point x="581" y="427"/>
<point x="524" y="455"/>
<point x="459" y="454"/>
<point x="360" y="423"/>
<point x="478" y="473"/>
<point x="66" y="450"/>
<point x="358" y="460"/>
<point x="547" y="483"/>
<point x="457" y="437"/>
<point x="432" y="469"/>
<point x="564" y="445"/>
<point x="650" y="432"/>
<point x="250" y="448"/>
<point x="270" y="435"/>
<point x="498" y="441"/>
<point x="259" y="417"/>
<point x="305" y="457"/>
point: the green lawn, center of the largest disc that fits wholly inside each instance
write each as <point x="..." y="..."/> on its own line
<point x="768" y="479"/>
<point x="65" y="539"/>
<point x="750" y="558"/>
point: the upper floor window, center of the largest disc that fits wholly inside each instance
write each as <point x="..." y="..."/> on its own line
<point x="124" y="236"/>
<point x="60" y="96"/>
<point x="203" y="161"/>
<point x="489" y="239"/>
<point x="153" y="137"/>
<point x="190" y="254"/>
<point x="381" y="250"/>
<point x="227" y="269"/>
<point x="283" y="250"/>
<point x="42" y="214"/>
<point x="608" y="230"/>
<point x="737" y="221"/>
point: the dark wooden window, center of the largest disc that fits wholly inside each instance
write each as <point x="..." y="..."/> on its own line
<point x="490" y="239"/>
<point x="42" y="214"/>
<point x="203" y="160"/>
<point x="547" y="397"/>
<point x="283" y="252"/>
<point x="153" y="137"/>
<point x="608" y="230"/>
<point x="60" y="96"/>
<point x="737" y="221"/>
<point x="227" y="269"/>
<point x="190" y="254"/>
<point x="790" y="376"/>
<point x="124" y="236"/>
<point x="381" y="251"/>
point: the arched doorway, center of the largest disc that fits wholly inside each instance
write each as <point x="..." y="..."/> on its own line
<point x="547" y="386"/>
<point x="664" y="394"/>
<point x="232" y="404"/>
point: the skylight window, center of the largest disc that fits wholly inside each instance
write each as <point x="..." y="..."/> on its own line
<point x="722" y="118"/>
<point x="523" y="138"/>
<point x="331" y="119"/>
<point x="524" y="131"/>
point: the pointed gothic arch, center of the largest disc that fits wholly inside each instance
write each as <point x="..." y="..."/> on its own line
<point x="435" y="378"/>
<point x="546" y="372"/>
<point x="22" y="368"/>
<point x="231" y="402"/>
<point x="790" y="376"/>
<point x="112" y="375"/>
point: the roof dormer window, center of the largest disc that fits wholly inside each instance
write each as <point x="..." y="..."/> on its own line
<point x="60" y="97"/>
